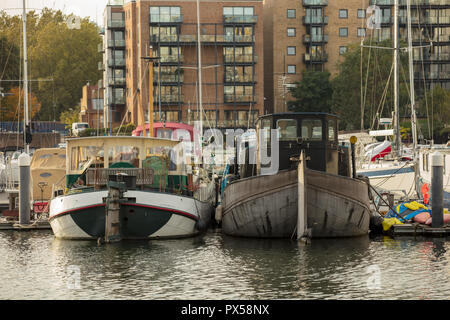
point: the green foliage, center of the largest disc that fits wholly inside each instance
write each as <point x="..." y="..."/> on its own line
<point x="67" y="55"/>
<point x="313" y="93"/>
<point x="70" y="116"/>
<point x="375" y="74"/>
<point x="436" y="107"/>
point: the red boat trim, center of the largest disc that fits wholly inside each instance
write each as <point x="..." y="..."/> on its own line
<point x="188" y="215"/>
<point x="77" y="209"/>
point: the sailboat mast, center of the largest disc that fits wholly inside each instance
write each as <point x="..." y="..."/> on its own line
<point x="396" y="83"/>
<point x="199" y="71"/>
<point x="25" y="76"/>
<point x="411" y="80"/>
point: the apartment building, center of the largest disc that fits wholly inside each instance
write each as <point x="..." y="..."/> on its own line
<point x="314" y="34"/>
<point x="232" y="68"/>
<point x="92" y="106"/>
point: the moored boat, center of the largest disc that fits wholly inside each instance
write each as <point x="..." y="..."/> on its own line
<point x="161" y="198"/>
<point x="266" y="205"/>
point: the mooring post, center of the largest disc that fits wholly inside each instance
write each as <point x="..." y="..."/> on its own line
<point x="437" y="190"/>
<point x="24" y="189"/>
<point x="302" y="205"/>
<point x="112" y="219"/>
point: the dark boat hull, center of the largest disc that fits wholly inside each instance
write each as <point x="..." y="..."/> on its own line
<point x="267" y="206"/>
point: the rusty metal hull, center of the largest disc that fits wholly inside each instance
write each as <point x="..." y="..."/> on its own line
<point x="266" y="206"/>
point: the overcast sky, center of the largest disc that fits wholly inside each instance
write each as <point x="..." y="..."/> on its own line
<point x="84" y="8"/>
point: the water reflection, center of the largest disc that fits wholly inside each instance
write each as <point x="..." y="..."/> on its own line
<point x="35" y="265"/>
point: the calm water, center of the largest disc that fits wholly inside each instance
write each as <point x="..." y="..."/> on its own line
<point x="35" y="265"/>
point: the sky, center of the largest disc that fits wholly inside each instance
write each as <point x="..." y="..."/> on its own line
<point x="83" y="8"/>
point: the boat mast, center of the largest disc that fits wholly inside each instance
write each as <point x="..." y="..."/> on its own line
<point x="396" y="83"/>
<point x="411" y="81"/>
<point x="199" y="70"/>
<point x="25" y="82"/>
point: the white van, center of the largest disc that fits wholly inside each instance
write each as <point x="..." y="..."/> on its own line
<point x="77" y="127"/>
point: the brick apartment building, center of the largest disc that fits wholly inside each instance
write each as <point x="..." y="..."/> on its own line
<point x="314" y="34"/>
<point x="231" y="34"/>
<point x="92" y="106"/>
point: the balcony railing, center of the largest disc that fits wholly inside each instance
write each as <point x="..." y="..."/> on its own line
<point x="231" y="98"/>
<point x="165" y="18"/>
<point x="116" y="43"/>
<point x="315" y="20"/>
<point x="100" y="47"/>
<point x="315" y="3"/>
<point x="117" y="100"/>
<point x="168" y="77"/>
<point x="173" y="58"/>
<point x="185" y="38"/>
<point x="170" y="98"/>
<point x="116" y="24"/>
<point x="316" y="57"/>
<point x="426" y="20"/>
<point x="240" y="58"/>
<point x="382" y="2"/>
<point x="117" y="81"/>
<point x="239" y="19"/>
<point x="101" y="66"/>
<point x="117" y="62"/>
<point x="315" y="38"/>
<point x="424" y="2"/>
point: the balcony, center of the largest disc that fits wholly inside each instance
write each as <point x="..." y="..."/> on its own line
<point x="116" y="43"/>
<point x="185" y="38"/>
<point x="382" y="2"/>
<point x="116" y="24"/>
<point x="117" y="62"/>
<point x="231" y="19"/>
<point x="100" y="48"/>
<point x="172" y="59"/>
<point x="117" y="100"/>
<point x="240" y="58"/>
<point x="307" y="3"/>
<point x="101" y="67"/>
<point x="246" y="98"/>
<point x="434" y="58"/>
<point x="315" y="19"/>
<point x="424" y="2"/>
<point x="168" y="77"/>
<point x="316" y="58"/>
<point x="165" y="19"/>
<point x="443" y="20"/>
<point x="170" y="98"/>
<point x="117" y="82"/>
<point x="315" y="38"/>
<point x="240" y="79"/>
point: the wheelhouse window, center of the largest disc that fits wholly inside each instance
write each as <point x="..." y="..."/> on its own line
<point x="287" y="129"/>
<point x="331" y="130"/>
<point x="312" y="129"/>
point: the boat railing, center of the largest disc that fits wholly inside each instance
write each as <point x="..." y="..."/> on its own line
<point x="100" y="176"/>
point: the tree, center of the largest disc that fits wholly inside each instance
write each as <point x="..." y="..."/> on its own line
<point x="313" y="93"/>
<point x="12" y="107"/>
<point x="9" y="63"/>
<point x="69" y="56"/>
<point x="70" y="116"/>
<point x="377" y="86"/>
<point x="435" y="106"/>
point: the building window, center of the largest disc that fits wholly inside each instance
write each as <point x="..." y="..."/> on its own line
<point x="343" y="32"/>
<point x="343" y="13"/>
<point x="342" y="50"/>
<point x="291" y="51"/>
<point x="291" y="13"/>
<point x="291" y="69"/>
<point x="165" y="14"/>
<point x="238" y="11"/>
<point x="291" y="32"/>
<point x="361" y="13"/>
<point x="361" y="32"/>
